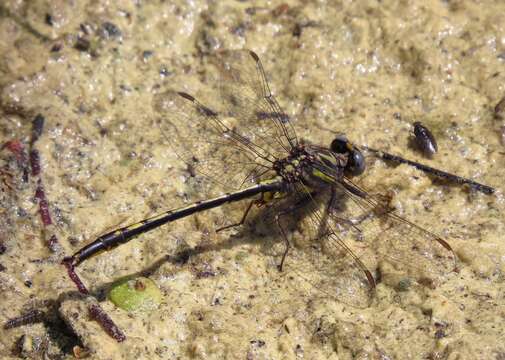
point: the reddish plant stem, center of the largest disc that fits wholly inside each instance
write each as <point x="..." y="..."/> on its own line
<point x="37" y="128"/>
<point x="67" y="262"/>
<point x="35" y="162"/>
<point x="45" y="214"/>
<point x="17" y="148"/>
<point x="43" y="204"/>
<point x="106" y="322"/>
<point x="31" y="317"/>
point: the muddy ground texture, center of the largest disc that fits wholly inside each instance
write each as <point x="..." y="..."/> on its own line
<point x="88" y="71"/>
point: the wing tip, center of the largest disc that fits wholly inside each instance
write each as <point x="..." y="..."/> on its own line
<point x="254" y="55"/>
<point x="185" y="96"/>
<point x="371" y="280"/>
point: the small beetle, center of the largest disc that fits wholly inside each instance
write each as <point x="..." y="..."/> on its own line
<point x="425" y="140"/>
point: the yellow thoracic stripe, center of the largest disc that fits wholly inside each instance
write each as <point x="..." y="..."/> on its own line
<point x="321" y="175"/>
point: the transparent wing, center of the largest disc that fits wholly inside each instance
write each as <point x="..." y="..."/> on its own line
<point x="368" y="219"/>
<point x="321" y="258"/>
<point x="206" y="142"/>
<point x="236" y="140"/>
<point x="349" y="232"/>
<point x="246" y="96"/>
<point x="334" y="268"/>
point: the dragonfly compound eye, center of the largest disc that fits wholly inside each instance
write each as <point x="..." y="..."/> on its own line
<point x="340" y="145"/>
<point x="356" y="161"/>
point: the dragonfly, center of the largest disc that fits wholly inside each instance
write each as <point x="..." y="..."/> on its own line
<point x="245" y="143"/>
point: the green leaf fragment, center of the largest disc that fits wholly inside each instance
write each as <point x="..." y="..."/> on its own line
<point x="135" y="294"/>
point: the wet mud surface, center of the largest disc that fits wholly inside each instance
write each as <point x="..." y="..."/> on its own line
<point x="370" y="70"/>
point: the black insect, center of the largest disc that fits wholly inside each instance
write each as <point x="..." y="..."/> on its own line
<point x="425" y="140"/>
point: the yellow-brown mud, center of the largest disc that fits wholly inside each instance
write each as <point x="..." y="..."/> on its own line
<point x="365" y="68"/>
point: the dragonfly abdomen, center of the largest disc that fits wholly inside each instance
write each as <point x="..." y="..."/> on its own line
<point x="120" y="236"/>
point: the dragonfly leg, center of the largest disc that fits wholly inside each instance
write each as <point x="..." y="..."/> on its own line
<point x="286" y="240"/>
<point x="241" y="222"/>
<point x="303" y="201"/>
<point x="332" y="208"/>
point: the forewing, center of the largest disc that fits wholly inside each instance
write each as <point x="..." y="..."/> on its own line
<point x="246" y="96"/>
<point x="236" y="140"/>
<point x="204" y="139"/>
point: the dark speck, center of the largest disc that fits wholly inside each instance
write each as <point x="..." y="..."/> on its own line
<point x="258" y="343"/>
<point x="250" y="11"/>
<point x="238" y="30"/>
<point x="82" y="44"/>
<point x="191" y="170"/>
<point x="299" y="350"/>
<point x="49" y="20"/>
<point x="182" y="257"/>
<point x="297" y="30"/>
<point x="110" y="30"/>
<point x="37" y="127"/>
<point x="56" y="48"/>
<point x="85" y="28"/>
<point x="280" y="10"/>
<point x="21" y="212"/>
<point x="125" y="88"/>
<point x="139" y="285"/>
<point x="28" y="283"/>
<point x="428" y="312"/>
<point x="146" y="54"/>
<point x="73" y="240"/>
<point x="499" y="109"/>
<point x="164" y="71"/>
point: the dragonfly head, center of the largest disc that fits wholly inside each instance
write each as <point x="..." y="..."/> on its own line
<point x="356" y="161"/>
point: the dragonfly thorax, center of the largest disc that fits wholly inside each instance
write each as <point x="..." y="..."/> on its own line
<point x="314" y="166"/>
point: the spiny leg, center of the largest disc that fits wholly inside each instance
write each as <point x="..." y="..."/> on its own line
<point x="242" y="220"/>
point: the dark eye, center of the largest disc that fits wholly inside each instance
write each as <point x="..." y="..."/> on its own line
<point x="339" y="145"/>
<point x="355" y="162"/>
